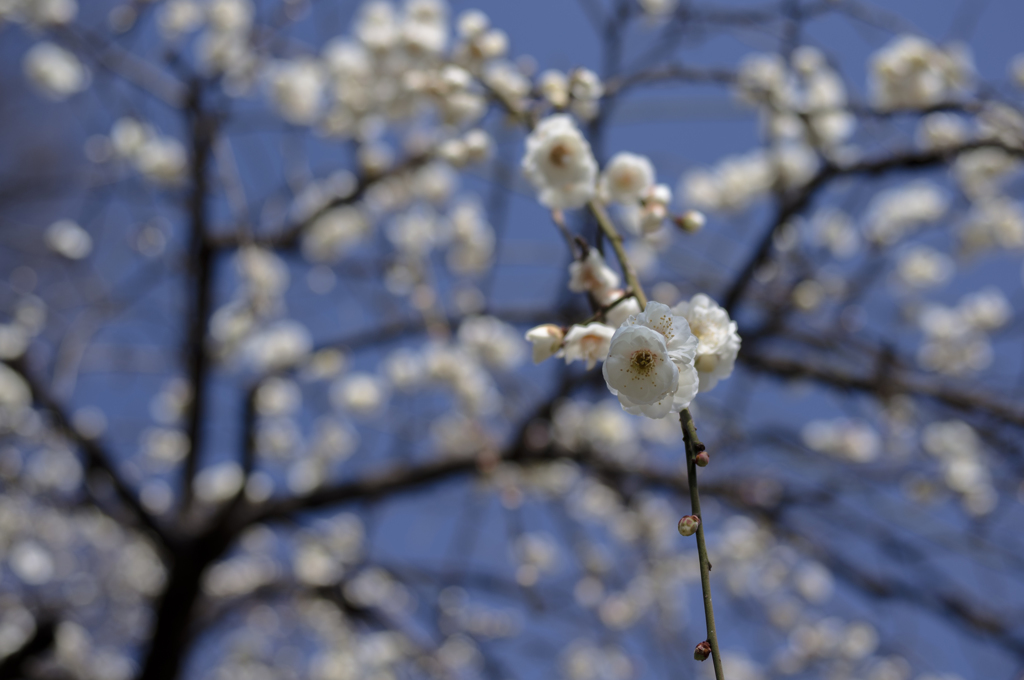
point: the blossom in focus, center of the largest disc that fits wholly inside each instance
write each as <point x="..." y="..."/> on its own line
<point x="717" y="335"/>
<point x="650" y="365"/>
<point x="559" y="163"/>
<point x="588" y="343"/>
<point x="546" y="340"/>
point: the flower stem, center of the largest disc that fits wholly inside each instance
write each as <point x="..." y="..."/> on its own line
<point x="693" y="447"/>
<point x="609" y="230"/>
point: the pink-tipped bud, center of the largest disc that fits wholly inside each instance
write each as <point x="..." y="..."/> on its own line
<point x="702" y="651"/>
<point x="702" y="459"/>
<point x="691" y="221"/>
<point x="688" y="525"/>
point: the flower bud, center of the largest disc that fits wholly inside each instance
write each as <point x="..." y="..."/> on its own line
<point x="690" y="221"/>
<point x="702" y="651"/>
<point x="702" y="459"/>
<point x="546" y="340"/>
<point x="688" y="525"/>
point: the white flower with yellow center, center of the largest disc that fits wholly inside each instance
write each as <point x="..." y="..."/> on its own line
<point x="718" y="336"/>
<point x="559" y="163"/>
<point x="650" y="363"/>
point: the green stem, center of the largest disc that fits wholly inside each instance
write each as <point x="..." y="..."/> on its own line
<point x="609" y="230"/>
<point x="693" y="447"/>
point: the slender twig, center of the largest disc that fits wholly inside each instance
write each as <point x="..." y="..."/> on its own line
<point x="609" y="230"/>
<point x="601" y="312"/>
<point x="693" y="447"/>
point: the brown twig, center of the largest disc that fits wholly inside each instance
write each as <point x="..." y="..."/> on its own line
<point x="693" y="447"/>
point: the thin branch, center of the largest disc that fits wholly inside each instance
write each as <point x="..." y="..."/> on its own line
<point x="96" y="457"/>
<point x="609" y="230"/>
<point x="896" y="382"/>
<point x="796" y="203"/>
<point x="693" y="447"/>
<point x="668" y="74"/>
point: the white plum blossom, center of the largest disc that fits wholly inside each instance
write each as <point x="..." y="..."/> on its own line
<point x="162" y="160"/>
<point x="942" y="130"/>
<point x="278" y="346"/>
<point x="127" y="136"/>
<point x="986" y="310"/>
<point x="472" y="23"/>
<point x="297" y="89"/>
<point x="546" y="340"/>
<point x="654" y="211"/>
<point x="473" y="239"/>
<point x="924" y="266"/>
<point x="55" y="71"/>
<point x="592" y="275"/>
<point x="737" y="181"/>
<point x="994" y="222"/>
<point x="911" y="72"/>
<point x="586" y="89"/>
<point x="362" y="393"/>
<point x="691" y="221"/>
<point x="1016" y="69"/>
<point x="717" y="335"/>
<point x="588" y="343"/>
<point x="42" y="13"/>
<point x="334" y="233"/>
<point x="68" y="239"/>
<point x="658" y="8"/>
<point x="804" y="103"/>
<point x="498" y="344"/>
<point x="980" y="172"/>
<point x="650" y="364"/>
<point x="953" y="344"/>
<point x="559" y="163"/>
<point x="854" y="440"/>
<point x="896" y="212"/>
<point x="425" y="25"/>
<point x="178" y="17"/>
<point x="554" y="86"/>
<point x="834" y="230"/>
<point x="229" y="16"/>
<point x="626" y="178"/>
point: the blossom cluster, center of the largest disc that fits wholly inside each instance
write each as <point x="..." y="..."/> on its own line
<point x="410" y="94"/>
